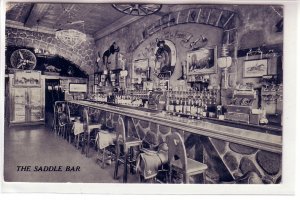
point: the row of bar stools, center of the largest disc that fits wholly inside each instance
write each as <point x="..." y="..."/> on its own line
<point x="128" y="143"/>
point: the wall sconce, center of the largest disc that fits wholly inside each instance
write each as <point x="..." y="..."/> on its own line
<point x="224" y="62"/>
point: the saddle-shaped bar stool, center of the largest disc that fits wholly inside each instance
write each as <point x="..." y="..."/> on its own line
<point x="128" y="142"/>
<point x="178" y="160"/>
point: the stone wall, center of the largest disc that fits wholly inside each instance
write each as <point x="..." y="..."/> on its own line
<point x="256" y="27"/>
<point x="82" y="55"/>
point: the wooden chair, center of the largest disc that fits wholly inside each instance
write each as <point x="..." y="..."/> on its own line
<point x="70" y="125"/>
<point x="178" y="160"/>
<point x="88" y="127"/>
<point x="128" y="142"/>
<point x="58" y="124"/>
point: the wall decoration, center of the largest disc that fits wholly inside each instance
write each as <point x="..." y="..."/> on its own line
<point x="23" y="59"/>
<point x="112" y="49"/>
<point x="139" y="70"/>
<point x="27" y="78"/>
<point x="194" y="43"/>
<point x="165" y="54"/>
<point x="97" y="78"/>
<point x="202" y="61"/>
<point x="255" y="68"/>
<point x="201" y="15"/>
<point x="121" y="61"/>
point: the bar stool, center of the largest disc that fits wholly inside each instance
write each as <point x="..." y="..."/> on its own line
<point x="88" y="127"/>
<point x="184" y="165"/>
<point x="128" y="142"/>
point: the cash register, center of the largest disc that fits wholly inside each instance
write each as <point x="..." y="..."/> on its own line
<point x="243" y="102"/>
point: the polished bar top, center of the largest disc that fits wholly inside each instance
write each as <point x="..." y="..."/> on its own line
<point x="260" y="140"/>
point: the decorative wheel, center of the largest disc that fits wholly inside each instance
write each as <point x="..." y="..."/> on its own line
<point x="23" y="59"/>
<point x="138" y="9"/>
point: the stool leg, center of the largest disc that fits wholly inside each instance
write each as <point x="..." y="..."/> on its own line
<point x="103" y="158"/>
<point x="125" y="166"/>
<point x="117" y="161"/>
<point x="131" y="169"/>
<point x="77" y="141"/>
<point x="88" y="145"/>
<point x="186" y="178"/>
<point x="170" y="175"/>
<point x="83" y="143"/>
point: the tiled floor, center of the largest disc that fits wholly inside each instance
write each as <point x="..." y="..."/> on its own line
<point x="38" y="146"/>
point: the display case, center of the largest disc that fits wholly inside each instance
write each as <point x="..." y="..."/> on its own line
<point x="27" y="104"/>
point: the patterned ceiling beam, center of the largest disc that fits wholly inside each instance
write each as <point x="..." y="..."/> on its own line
<point x="37" y="12"/>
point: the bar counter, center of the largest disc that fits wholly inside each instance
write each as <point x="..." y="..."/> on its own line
<point x="263" y="140"/>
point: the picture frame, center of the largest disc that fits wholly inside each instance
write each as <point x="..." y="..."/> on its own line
<point x="27" y="78"/>
<point x="139" y="69"/>
<point x="202" y="61"/>
<point x="255" y="68"/>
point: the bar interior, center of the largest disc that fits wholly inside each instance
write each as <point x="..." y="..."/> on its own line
<point x="143" y="93"/>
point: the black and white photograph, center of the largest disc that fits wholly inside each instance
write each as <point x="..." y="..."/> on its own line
<point x="144" y="93"/>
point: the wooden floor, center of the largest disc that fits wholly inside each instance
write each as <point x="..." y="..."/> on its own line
<point x="38" y="146"/>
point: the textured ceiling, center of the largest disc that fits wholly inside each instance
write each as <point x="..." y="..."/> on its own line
<point x="84" y="17"/>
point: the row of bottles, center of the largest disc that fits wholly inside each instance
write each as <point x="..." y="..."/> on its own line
<point x="209" y="96"/>
<point x="103" y="98"/>
<point x="130" y="100"/>
<point x="193" y="104"/>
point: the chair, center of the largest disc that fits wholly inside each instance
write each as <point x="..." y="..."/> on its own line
<point x="88" y="127"/>
<point x="71" y="120"/>
<point x="184" y="165"/>
<point x="58" y="120"/>
<point x="105" y="140"/>
<point x="128" y="142"/>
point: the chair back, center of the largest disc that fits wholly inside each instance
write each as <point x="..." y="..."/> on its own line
<point x="68" y="112"/>
<point x="176" y="149"/>
<point x="120" y="129"/>
<point x="85" y="117"/>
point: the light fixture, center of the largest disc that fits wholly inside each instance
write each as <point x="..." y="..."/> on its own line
<point x="137" y="9"/>
<point x="67" y="35"/>
<point x="70" y="37"/>
<point x="224" y="62"/>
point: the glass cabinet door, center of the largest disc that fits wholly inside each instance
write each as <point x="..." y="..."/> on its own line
<point x="35" y="104"/>
<point x="20" y="105"/>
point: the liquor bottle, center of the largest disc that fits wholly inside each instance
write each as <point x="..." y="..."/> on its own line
<point x="178" y="106"/>
<point x="171" y="106"/>
<point x="219" y="111"/>
<point x="188" y="107"/>
<point x="193" y="109"/>
<point x="204" y="113"/>
<point x="183" y="106"/>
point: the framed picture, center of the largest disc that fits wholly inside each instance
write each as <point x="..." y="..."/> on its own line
<point x="255" y="68"/>
<point x="139" y="70"/>
<point x="27" y="78"/>
<point x="202" y="61"/>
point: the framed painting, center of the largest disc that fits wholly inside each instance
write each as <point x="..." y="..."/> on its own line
<point x="202" y="61"/>
<point x="255" y="68"/>
<point x="27" y="78"/>
<point x="139" y="69"/>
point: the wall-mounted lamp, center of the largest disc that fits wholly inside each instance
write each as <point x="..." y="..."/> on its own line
<point x="224" y="62"/>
